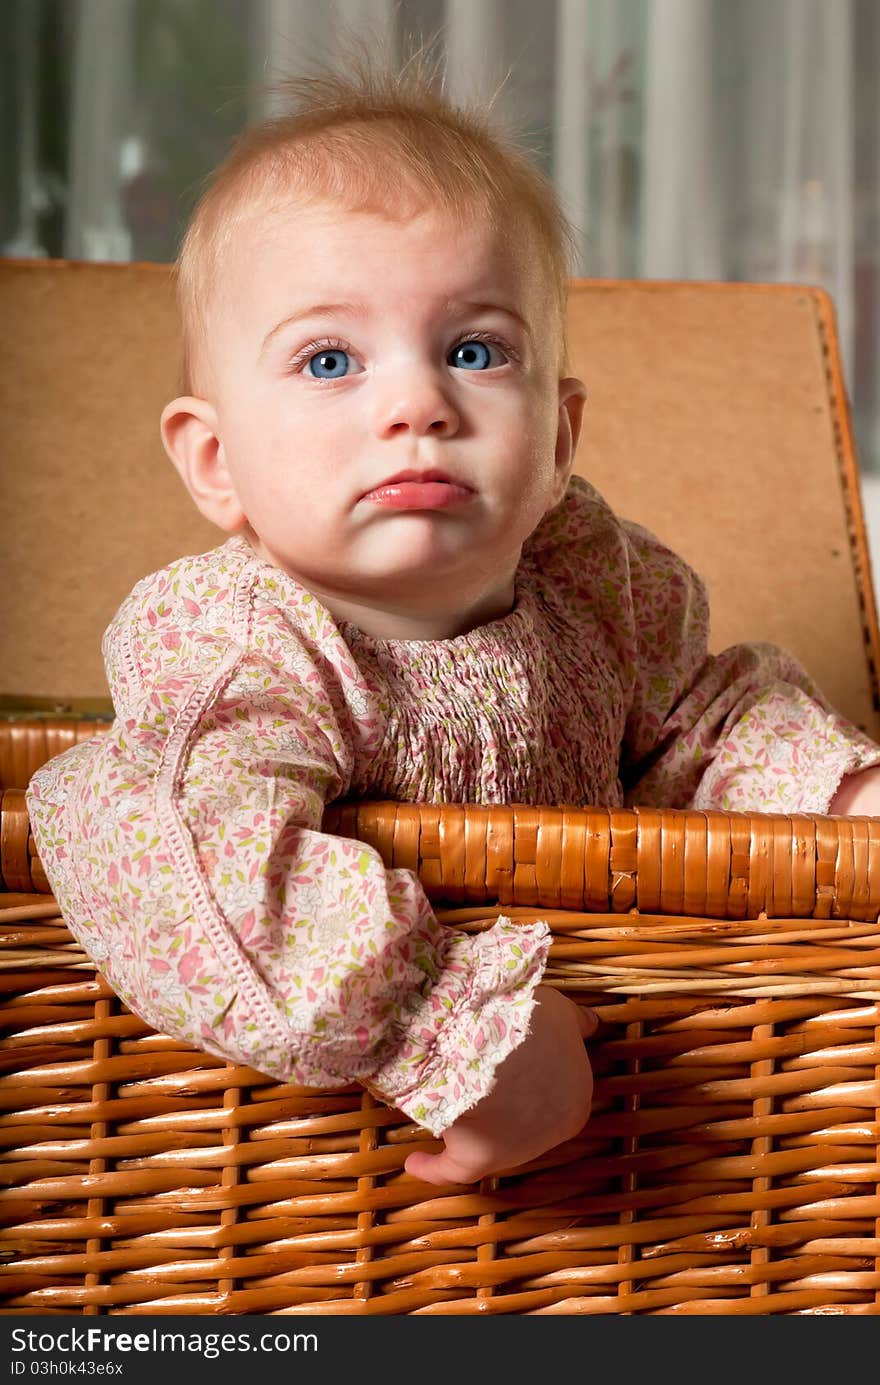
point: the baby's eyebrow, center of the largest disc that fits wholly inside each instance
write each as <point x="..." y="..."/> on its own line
<point x="315" y="310"/>
<point x="460" y="305"/>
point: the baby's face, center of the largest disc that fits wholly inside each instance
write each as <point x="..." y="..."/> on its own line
<point x="348" y="348"/>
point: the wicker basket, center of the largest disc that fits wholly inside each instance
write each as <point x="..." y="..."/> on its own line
<point x="730" y="1165"/>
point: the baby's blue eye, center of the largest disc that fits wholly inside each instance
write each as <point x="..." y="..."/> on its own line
<point x="334" y="362"/>
<point x="471" y="355"/>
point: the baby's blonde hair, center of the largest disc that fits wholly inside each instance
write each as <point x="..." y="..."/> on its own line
<point x="369" y="136"/>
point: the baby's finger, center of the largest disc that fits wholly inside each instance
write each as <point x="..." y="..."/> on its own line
<point x="438" y="1168"/>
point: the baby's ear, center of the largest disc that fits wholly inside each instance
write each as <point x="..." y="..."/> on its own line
<point x="190" y="436"/>
<point x="572" y="397"/>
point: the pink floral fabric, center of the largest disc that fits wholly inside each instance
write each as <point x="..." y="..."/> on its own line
<point x="185" y="847"/>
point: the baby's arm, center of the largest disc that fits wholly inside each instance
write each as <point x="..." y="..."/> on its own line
<point x="745" y="730"/>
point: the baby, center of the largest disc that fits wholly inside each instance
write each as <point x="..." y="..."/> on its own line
<point x="417" y="601"/>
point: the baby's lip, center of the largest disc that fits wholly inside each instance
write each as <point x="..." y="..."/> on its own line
<point x="432" y="474"/>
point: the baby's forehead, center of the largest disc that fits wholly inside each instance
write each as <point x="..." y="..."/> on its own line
<point x="285" y="218"/>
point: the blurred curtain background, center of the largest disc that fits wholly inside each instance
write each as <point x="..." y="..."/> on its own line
<point x="707" y="139"/>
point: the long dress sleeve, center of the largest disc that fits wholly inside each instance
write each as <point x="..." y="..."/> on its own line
<point x="744" y="730"/>
<point x="186" y="852"/>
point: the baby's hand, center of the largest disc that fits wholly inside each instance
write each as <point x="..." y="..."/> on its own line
<point x="541" y="1096"/>
<point x="858" y="795"/>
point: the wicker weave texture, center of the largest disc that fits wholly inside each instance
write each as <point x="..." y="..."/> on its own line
<point x="668" y="861"/>
<point x="729" y="1166"/>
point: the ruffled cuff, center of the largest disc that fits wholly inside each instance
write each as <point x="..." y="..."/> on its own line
<point x="475" y="1015"/>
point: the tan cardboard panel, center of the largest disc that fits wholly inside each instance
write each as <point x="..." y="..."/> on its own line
<point x="89" y="358"/>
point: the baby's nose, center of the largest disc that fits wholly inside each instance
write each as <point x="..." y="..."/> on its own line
<point x="421" y="406"/>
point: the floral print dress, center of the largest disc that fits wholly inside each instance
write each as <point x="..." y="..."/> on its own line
<point x="185" y="846"/>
